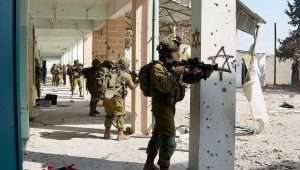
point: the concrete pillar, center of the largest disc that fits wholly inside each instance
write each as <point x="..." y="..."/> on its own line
<point x="23" y="92"/>
<point x="213" y="103"/>
<point x="10" y="114"/>
<point x="31" y="71"/>
<point x="87" y="50"/>
<point x="141" y="55"/>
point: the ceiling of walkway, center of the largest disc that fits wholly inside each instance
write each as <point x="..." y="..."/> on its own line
<point x="60" y="24"/>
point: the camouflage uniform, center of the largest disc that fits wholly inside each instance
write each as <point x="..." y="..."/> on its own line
<point x="64" y="74"/>
<point x="93" y="86"/>
<point x="38" y="77"/>
<point x="76" y="77"/>
<point x="69" y="73"/>
<point x="167" y="89"/>
<point x="55" y="75"/>
<point x="115" y="107"/>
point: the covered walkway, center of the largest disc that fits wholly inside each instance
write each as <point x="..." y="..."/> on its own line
<point x="64" y="134"/>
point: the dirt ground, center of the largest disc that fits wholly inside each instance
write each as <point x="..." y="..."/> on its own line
<point x="64" y="134"/>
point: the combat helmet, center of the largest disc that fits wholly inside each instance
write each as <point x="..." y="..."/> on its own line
<point x="95" y="62"/>
<point x="124" y="63"/>
<point x="168" y="44"/>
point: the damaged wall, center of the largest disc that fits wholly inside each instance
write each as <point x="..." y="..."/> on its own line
<point x="109" y="41"/>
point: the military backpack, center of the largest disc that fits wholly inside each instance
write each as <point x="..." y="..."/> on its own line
<point x="109" y="79"/>
<point x="145" y="78"/>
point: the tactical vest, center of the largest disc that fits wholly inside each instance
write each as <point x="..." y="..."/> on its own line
<point x="76" y="71"/>
<point x="177" y="94"/>
<point x="109" y="81"/>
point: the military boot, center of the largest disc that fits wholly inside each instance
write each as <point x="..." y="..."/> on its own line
<point x="92" y="114"/>
<point x="107" y="133"/>
<point x="150" y="166"/>
<point x="151" y="154"/>
<point x="121" y="135"/>
<point x="96" y="112"/>
<point x="163" y="168"/>
<point x="92" y="111"/>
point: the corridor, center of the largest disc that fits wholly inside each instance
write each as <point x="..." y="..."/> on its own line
<point x="64" y="134"/>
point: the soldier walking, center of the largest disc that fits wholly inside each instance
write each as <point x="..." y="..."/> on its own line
<point x="38" y="78"/>
<point x="64" y="74"/>
<point x="54" y="74"/>
<point x="93" y="85"/>
<point x="76" y="71"/>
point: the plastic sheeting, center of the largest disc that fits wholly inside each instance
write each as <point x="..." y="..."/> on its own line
<point x="254" y="94"/>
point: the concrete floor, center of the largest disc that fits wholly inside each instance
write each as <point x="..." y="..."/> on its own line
<point x="64" y="134"/>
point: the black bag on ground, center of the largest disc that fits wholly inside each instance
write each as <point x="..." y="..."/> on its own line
<point x="52" y="98"/>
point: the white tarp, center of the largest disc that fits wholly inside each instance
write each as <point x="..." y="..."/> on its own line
<point x="254" y="94"/>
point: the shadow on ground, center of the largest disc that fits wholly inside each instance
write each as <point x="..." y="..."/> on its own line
<point x="68" y="132"/>
<point x="83" y="163"/>
<point x="62" y="135"/>
<point x="284" y="165"/>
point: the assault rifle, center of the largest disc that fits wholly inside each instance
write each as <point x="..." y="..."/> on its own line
<point x="192" y="63"/>
<point x="134" y="76"/>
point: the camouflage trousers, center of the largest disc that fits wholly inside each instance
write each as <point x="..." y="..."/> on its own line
<point x="76" y="81"/>
<point x="115" y="110"/>
<point x="38" y="88"/>
<point x="55" y="79"/>
<point x="163" y="135"/>
<point x="166" y="146"/>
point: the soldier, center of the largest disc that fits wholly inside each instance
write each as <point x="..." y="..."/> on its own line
<point x="69" y="73"/>
<point x="53" y="72"/>
<point x="166" y="90"/>
<point x="38" y="78"/>
<point x="76" y="72"/>
<point x="92" y="86"/>
<point x="115" y="106"/>
<point x="64" y="74"/>
<point x="58" y="74"/>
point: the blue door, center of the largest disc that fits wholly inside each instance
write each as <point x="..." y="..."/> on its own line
<point x="10" y="140"/>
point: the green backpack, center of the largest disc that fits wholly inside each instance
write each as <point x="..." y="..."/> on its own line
<point x="109" y="79"/>
<point x="145" y="78"/>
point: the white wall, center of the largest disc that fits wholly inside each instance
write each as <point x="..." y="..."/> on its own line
<point x="80" y="51"/>
<point x="283" y="73"/>
<point x="262" y="67"/>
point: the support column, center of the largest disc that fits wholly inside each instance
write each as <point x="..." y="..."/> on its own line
<point x="212" y="140"/>
<point x="141" y="55"/>
<point x="10" y="117"/>
<point x="23" y="91"/>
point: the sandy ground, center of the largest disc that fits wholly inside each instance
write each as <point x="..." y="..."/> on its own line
<point x="64" y="134"/>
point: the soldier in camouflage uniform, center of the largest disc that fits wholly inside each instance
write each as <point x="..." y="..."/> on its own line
<point x="167" y="89"/>
<point x="76" y="71"/>
<point x="38" y="78"/>
<point x="64" y="74"/>
<point x="69" y="73"/>
<point x="55" y="75"/>
<point x="92" y="85"/>
<point x="115" y="107"/>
